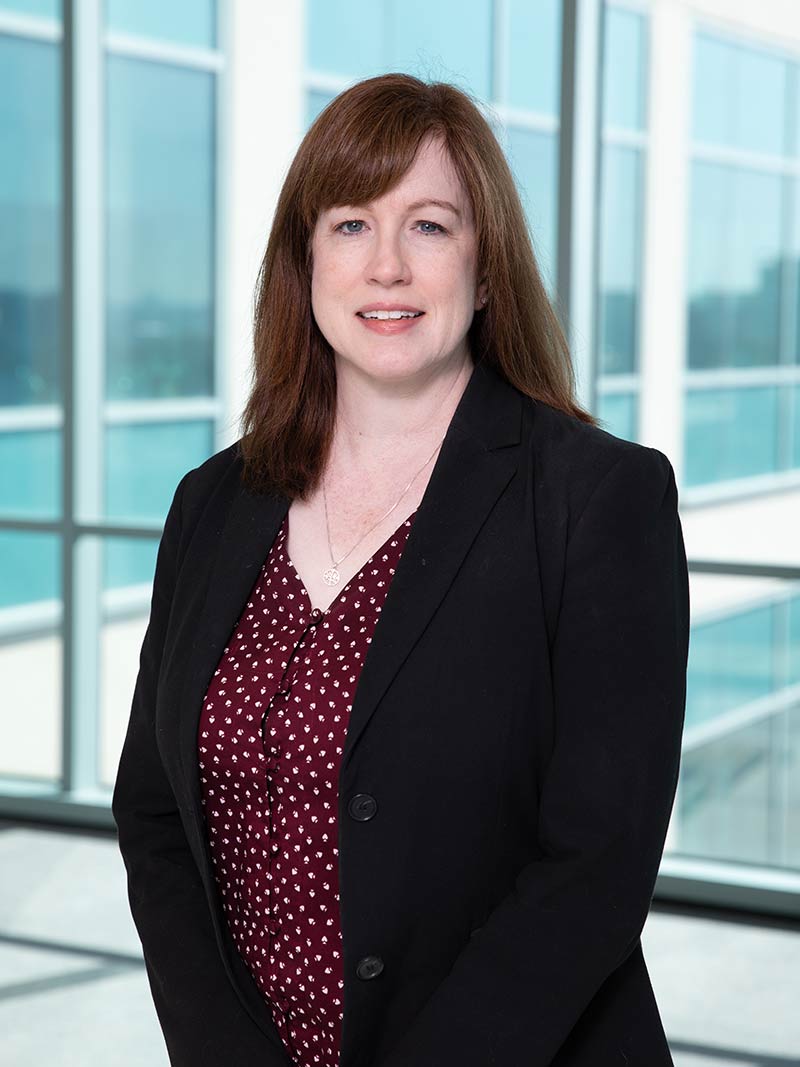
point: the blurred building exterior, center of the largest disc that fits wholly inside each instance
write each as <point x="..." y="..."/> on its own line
<point x="656" y="144"/>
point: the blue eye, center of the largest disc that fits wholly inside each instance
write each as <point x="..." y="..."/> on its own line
<point x="357" y="222"/>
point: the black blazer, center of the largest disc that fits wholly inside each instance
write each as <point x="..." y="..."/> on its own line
<point x="517" y="721"/>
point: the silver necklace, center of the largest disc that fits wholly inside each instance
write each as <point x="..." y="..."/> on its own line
<point x="331" y="575"/>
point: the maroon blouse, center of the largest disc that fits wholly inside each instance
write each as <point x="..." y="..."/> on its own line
<point x="270" y="743"/>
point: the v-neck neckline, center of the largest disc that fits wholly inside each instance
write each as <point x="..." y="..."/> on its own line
<point x="334" y="603"/>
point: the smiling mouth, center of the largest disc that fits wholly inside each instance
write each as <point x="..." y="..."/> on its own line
<point x="389" y="316"/>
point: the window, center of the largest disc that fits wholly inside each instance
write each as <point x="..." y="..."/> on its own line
<point x="97" y="425"/>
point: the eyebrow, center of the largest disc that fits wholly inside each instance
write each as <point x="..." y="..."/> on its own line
<point x="431" y="202"/>
<point x="425" y="202"/>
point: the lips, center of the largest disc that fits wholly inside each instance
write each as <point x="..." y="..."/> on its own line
<point x="388" y="307"/>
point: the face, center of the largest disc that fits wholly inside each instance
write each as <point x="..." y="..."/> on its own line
<point x="406" y="251"/>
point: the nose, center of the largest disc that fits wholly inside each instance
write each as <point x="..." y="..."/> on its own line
<point x="388" y="263"/>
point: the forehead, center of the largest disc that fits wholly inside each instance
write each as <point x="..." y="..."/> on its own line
<point x="431" y="177"/>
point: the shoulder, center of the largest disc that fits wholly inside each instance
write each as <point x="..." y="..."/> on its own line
<point x="209" y="487"/>
<point x="573" y="460"/>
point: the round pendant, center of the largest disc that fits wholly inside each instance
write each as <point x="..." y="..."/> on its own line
<point x="331" y="576"/>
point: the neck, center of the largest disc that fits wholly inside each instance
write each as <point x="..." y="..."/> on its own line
<point x="381" y="421"/>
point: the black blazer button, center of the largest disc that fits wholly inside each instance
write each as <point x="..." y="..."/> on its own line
<point x="362" y="807"/>
<point x="369" y="967"/>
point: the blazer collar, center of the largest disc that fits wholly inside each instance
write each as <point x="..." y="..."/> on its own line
<point x="473" y="468"/>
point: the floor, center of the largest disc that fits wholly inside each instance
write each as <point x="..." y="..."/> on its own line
<point x="728" y="989"/>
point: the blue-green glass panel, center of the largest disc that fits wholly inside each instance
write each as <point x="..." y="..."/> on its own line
<point x="30" y="461"/>
<point x="724" y="808"/>
<point x="30" y="568"/>
<point x="534" y="55"/>
<point x="145" y="462"/>
<point x="446" y="41"/>
<point x="30" y="222"/>
<point x="730" y="664"/>
<point x="624" y="70"/>
<point x="730" y="433"/>
<point x="795" y="460"/>
<point x="618" y="414"/>
<point x="348" y="38"/>
<point x="736" y="234"/>
<point x="793" y="658"/>
<point x="620" y="259"/>
<point x="186" y="22"/>
<point x="160" y="230"/>
<point x="43" y="8"/>
<point x="740" y="97"/>
<point x="315" y="102"/>
<point x="532" y="157"/>
<point x="128" y="561"/>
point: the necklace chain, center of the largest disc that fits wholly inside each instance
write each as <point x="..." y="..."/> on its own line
<point x="331" y="576"/>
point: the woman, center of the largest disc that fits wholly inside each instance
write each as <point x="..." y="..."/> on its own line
<point x="430" y="842"/>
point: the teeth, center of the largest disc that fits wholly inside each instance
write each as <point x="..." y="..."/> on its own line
<point x="390" y="314"/>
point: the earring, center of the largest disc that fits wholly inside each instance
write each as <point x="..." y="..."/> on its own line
<point x="483" y="299"/>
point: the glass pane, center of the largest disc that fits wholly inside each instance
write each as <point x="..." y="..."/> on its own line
<point x="730" y="663"/>
<point x="47" y="8"/>
<point x="533" y="160"/>
<point x="31" y="464"/>
<point x="128" y="567"/>
<point x="315" y="102"/>
<point x="160" y="226"/>
<point x="740" y="745"/>
<point x="347" y="38"/>
<point x="736" y="240"/>
<point x="30" y="655"/>
<point x="534" y="56"/>
<point x="618" y="413"/>
<point x="793" y="627"/>
<point x="188" y="22"/>
<point x="795" y="459"/>
<point x="30" y="222"/>
<point x="446" y="41"/>
<point x="624" y="70"/>
<point x="145" y="462"/>
<point x="620" y="259"/>
<point x="740" y="97"/>
<point x="730" y="433"/>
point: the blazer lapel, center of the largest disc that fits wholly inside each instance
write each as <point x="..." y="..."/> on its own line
<point x="473" y="468"/>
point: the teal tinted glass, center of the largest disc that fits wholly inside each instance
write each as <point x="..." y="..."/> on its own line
<point x="30" y="568"/>
<point x="620" y="258"/>
<point x="730" y="664"/>
<point x="618" y="414"/>
<point x="533" y="160"/>
<point x="793" y="669"/>
<point x="160" y="227"/>
<point x="129" y="561"/>
<point x="533" y="47"/>
<point x="724" y="807"/>
<point x="43" y="8"/>
<point x="145" y="462"/>
<point x="315" y="102"/>
<point x="624" y="70"/>
<point x="186" y="22"/>
<point x="30" y="656"/>
<point x="795" y="449"/>
<point x="740" y="97"/>
<point x="446" y="41"/>
<point x="348" y="38"/>
<point x="30" y="222"/>
<point x="30" y="461"/>
<point x="730" y="433"/>
<point x="735" y="246"/>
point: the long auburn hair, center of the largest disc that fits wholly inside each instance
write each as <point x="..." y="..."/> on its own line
<point x="357" y="149"/>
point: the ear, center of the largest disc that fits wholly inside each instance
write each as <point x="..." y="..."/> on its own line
<point x="482" y="295"/>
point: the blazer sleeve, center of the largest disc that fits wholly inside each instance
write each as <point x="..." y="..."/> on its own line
<point x="618" y="658"/>
<point x="202" y="1018"/>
